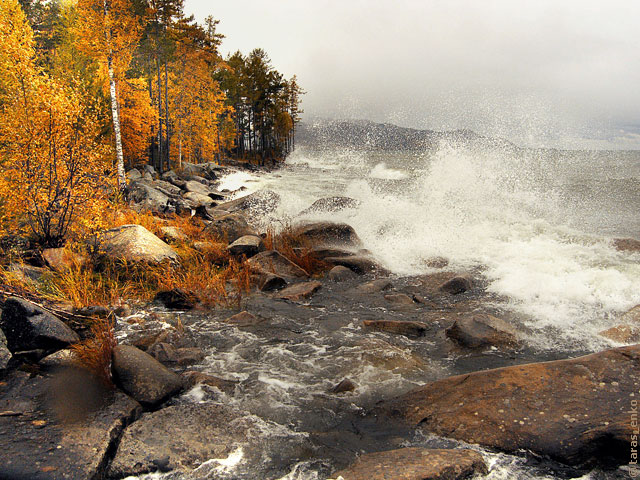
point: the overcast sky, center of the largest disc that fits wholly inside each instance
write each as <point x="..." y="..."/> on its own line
<point x="553" y="73"/>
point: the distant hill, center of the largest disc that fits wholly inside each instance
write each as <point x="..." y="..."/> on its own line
<point x="366" y="135"/>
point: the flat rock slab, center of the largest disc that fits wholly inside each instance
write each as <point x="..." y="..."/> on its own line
<point x="143" y="377"/>
<point x="47" y="439"/>
<point x="300" y="291"/>
<point x="575" y="411"/>
<point x="248" y="245"/>
<point x="178" y="438"/>
<point x="134" y="243"/>
<point x="415" y="464"/>
<point x="29" y="327"/>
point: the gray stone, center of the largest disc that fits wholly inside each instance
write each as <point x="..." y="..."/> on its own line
<point x="178" y="438"/>
<point x="133" y="243"/>
<point x="143" y="377"/>
<point x="229" y="227"/>
<point x="262" y="201"/>
<point x="481" y="331"/>
<point x="328" y="233"/>
<point x="402" y="327"/>
<point x="374" y="286"/>
<point x="344" y="386"/>
<point x="244" y="319"/>
<point x="358" y="264"/>
<point x="29" y="327"/>
<point x="197" y="187"/>
<point x="172" y="234"/>
<point x="146" y="198"/>
<point x="133" y="174"/>
<point x="196" y="199"/>
<point x="5" y="354"/>
<point x="331" y="204"/>
<point x="248" y="245"/>
<point x="457" y="285"/>
<point x="269" y="282"/>
<point x="340" y="274"/>
<point x="168" y="354"/>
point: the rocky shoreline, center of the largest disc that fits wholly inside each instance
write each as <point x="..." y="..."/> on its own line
<point x="58" y="421"/>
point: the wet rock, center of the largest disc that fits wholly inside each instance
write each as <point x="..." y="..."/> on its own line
<point x="29" y="327"/>
<point x="632" y="316"/>
<point x="374" y="286"/>
<point x="344" y="386"/>
<point x="93" y="311"/>
<point x="247" y="245"/>
<point x="415" y="463"/>
<point x="177" y="299"/>
<point x="145" y="342"/>
<point x="61" y="259"/>
<point x="133" y="243"/>
<point x="195" y="378"/>
<point x="143" y="377"/>
<point x="325" y="252"/>
<point x="575" y="411"/>
<point x="456" y="285"/>
<point x="340" y="274"/>
<point x="623" y="333"/>
<point x="273" y="262"/>
<point x="179" y="437"/>
<point x="229" y="227"/>
<point x="400" y="299"/>
<point x="627" y="244"/>
<point x="244" y="319"/>
<point x="481" y="331"/>
<point x="168" y="354"/>
<point x="63" y="428"/>
<point x="5" y="354"/>
<point x="172" y="234"/>
<point x="356" y="263"/>
<point x="270" y="282"/>
<point x="328" y="233"/>
<point x="331" y="204"/>
<point x="300" y="291"/>
<point x="401" y="327"/>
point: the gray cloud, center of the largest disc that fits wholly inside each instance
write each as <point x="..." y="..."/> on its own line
<point x="539" y="72"/>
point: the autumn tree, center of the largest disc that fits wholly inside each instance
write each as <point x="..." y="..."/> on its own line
<point x="51" y="167"/>
<point x="109" y="30"/>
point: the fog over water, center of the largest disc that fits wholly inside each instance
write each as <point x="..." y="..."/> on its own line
<point x="541" y="73"/>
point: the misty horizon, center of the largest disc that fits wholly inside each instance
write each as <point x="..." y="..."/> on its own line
<point x="541" y="75"/>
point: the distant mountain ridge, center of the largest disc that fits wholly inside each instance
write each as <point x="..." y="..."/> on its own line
<point x="364" y="134"/>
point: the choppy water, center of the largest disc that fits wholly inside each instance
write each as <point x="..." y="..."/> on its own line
<point x="537" y="225"/>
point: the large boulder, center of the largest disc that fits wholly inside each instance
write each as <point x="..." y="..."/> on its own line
<point x="275" y="263"/>
<point x="328" y="233"/>
<point x="64" y="426"/>
<point x="61" y="259"/>
<point x="133" y="243"/>
<point x="481" y="331"/>
<point x="415" y="463"/>
<point x="29" y="327"/>
<point x="144" y="197"/>
<point x="197" y="187"/>
<point x="180" y="437"/>
<point x="143" y="377"/>
<point x="229" y="227"/>
<point x="576" y="411"/>
<point x="198" y="200"/>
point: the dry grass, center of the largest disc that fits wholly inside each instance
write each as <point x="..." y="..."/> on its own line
<point x="296" y="248"/>
<point x="95" y="352"/>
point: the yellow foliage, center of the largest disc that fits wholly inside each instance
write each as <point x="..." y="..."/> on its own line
<point x="52" y="168"/>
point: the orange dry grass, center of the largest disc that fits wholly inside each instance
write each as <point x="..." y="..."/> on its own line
<point x="296" y="249"/>
<point x="95" y="352"/>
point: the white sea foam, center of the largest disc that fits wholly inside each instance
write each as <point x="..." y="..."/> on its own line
<point x="382" y="172"/>
<point x="513" y="215"/>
